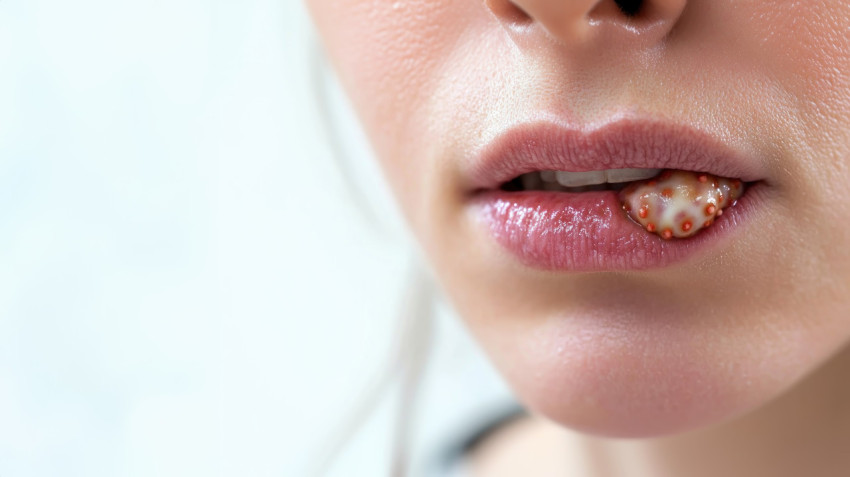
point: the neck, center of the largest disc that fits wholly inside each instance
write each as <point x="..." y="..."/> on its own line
<point x="806" y="431"/>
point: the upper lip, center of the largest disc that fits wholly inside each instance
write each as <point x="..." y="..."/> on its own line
<point x="618" y="144"/>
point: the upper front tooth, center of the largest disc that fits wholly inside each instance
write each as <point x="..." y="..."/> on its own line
<point x="531" y="181"/>
<point x="628" y="175"/>
<point x="578" y="179"/>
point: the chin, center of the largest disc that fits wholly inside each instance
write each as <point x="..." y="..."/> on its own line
<point x="634" y="403"/>
<point x="643" y="376"/>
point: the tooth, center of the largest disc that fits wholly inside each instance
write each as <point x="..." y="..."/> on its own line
<point x="578" y="179"/>
<point x="628" y="175"/>
<point x="552" y="186"/>
<point x="679" y="203"/>
<point x="548" y="176"/>
<point x="531" y="181"/>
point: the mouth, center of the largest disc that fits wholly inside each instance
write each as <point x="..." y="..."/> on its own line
<point x="630" y="195"/>
<point x="565" y="181"/>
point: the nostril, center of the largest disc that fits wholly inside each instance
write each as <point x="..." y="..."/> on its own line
<point x="508" y="11"/>
<point x="629" y="7"/>
<point x="630" y="23"/>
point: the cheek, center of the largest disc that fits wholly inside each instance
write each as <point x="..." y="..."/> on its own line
<point x="807" y="52"/>
<point x="811" y="56"/>
<point x="389" y="56"/>
<point x="784" y="77"/>
<point x="385" y="53"/>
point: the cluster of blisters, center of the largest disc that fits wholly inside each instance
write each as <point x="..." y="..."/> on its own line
<point x="679" y="203"/>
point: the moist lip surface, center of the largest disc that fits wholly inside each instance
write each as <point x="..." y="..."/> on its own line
<point x="590" y="231"/>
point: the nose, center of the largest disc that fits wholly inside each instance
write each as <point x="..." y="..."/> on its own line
<point x="575" y="22"/>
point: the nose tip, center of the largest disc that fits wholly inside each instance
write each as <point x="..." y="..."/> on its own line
<point x="579" y="22"/>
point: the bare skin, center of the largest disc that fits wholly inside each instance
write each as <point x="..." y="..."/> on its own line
<point x="730" y="360"/>
<point x="527" y="446"/>
<point x="803" y="432"/>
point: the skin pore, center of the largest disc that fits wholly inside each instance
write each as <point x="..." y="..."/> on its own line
<point x="730" y="362"/>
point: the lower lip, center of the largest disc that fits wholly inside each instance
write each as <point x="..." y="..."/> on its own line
<point x="589" y="231"/>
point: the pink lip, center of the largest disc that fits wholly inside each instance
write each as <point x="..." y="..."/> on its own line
<point x="589" y="231"/>
<point x="621" y="144"/>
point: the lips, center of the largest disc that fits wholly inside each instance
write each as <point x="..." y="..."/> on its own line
<point x="588" y="231"/>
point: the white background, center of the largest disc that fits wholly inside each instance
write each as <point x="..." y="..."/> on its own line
<point x="185" y="286"/>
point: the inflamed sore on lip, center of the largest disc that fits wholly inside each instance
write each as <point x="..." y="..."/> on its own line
<point x="679" y="204"/>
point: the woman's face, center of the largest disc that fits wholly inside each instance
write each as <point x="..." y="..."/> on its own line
<point x="594" y="322"/>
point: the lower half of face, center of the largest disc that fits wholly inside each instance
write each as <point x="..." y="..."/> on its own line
<point x="555" y="162"/>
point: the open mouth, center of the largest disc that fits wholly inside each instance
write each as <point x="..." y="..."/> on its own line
<point x="671" y="204"/>
<point x="542" y="195"/>
<point x="563" y="181"/>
